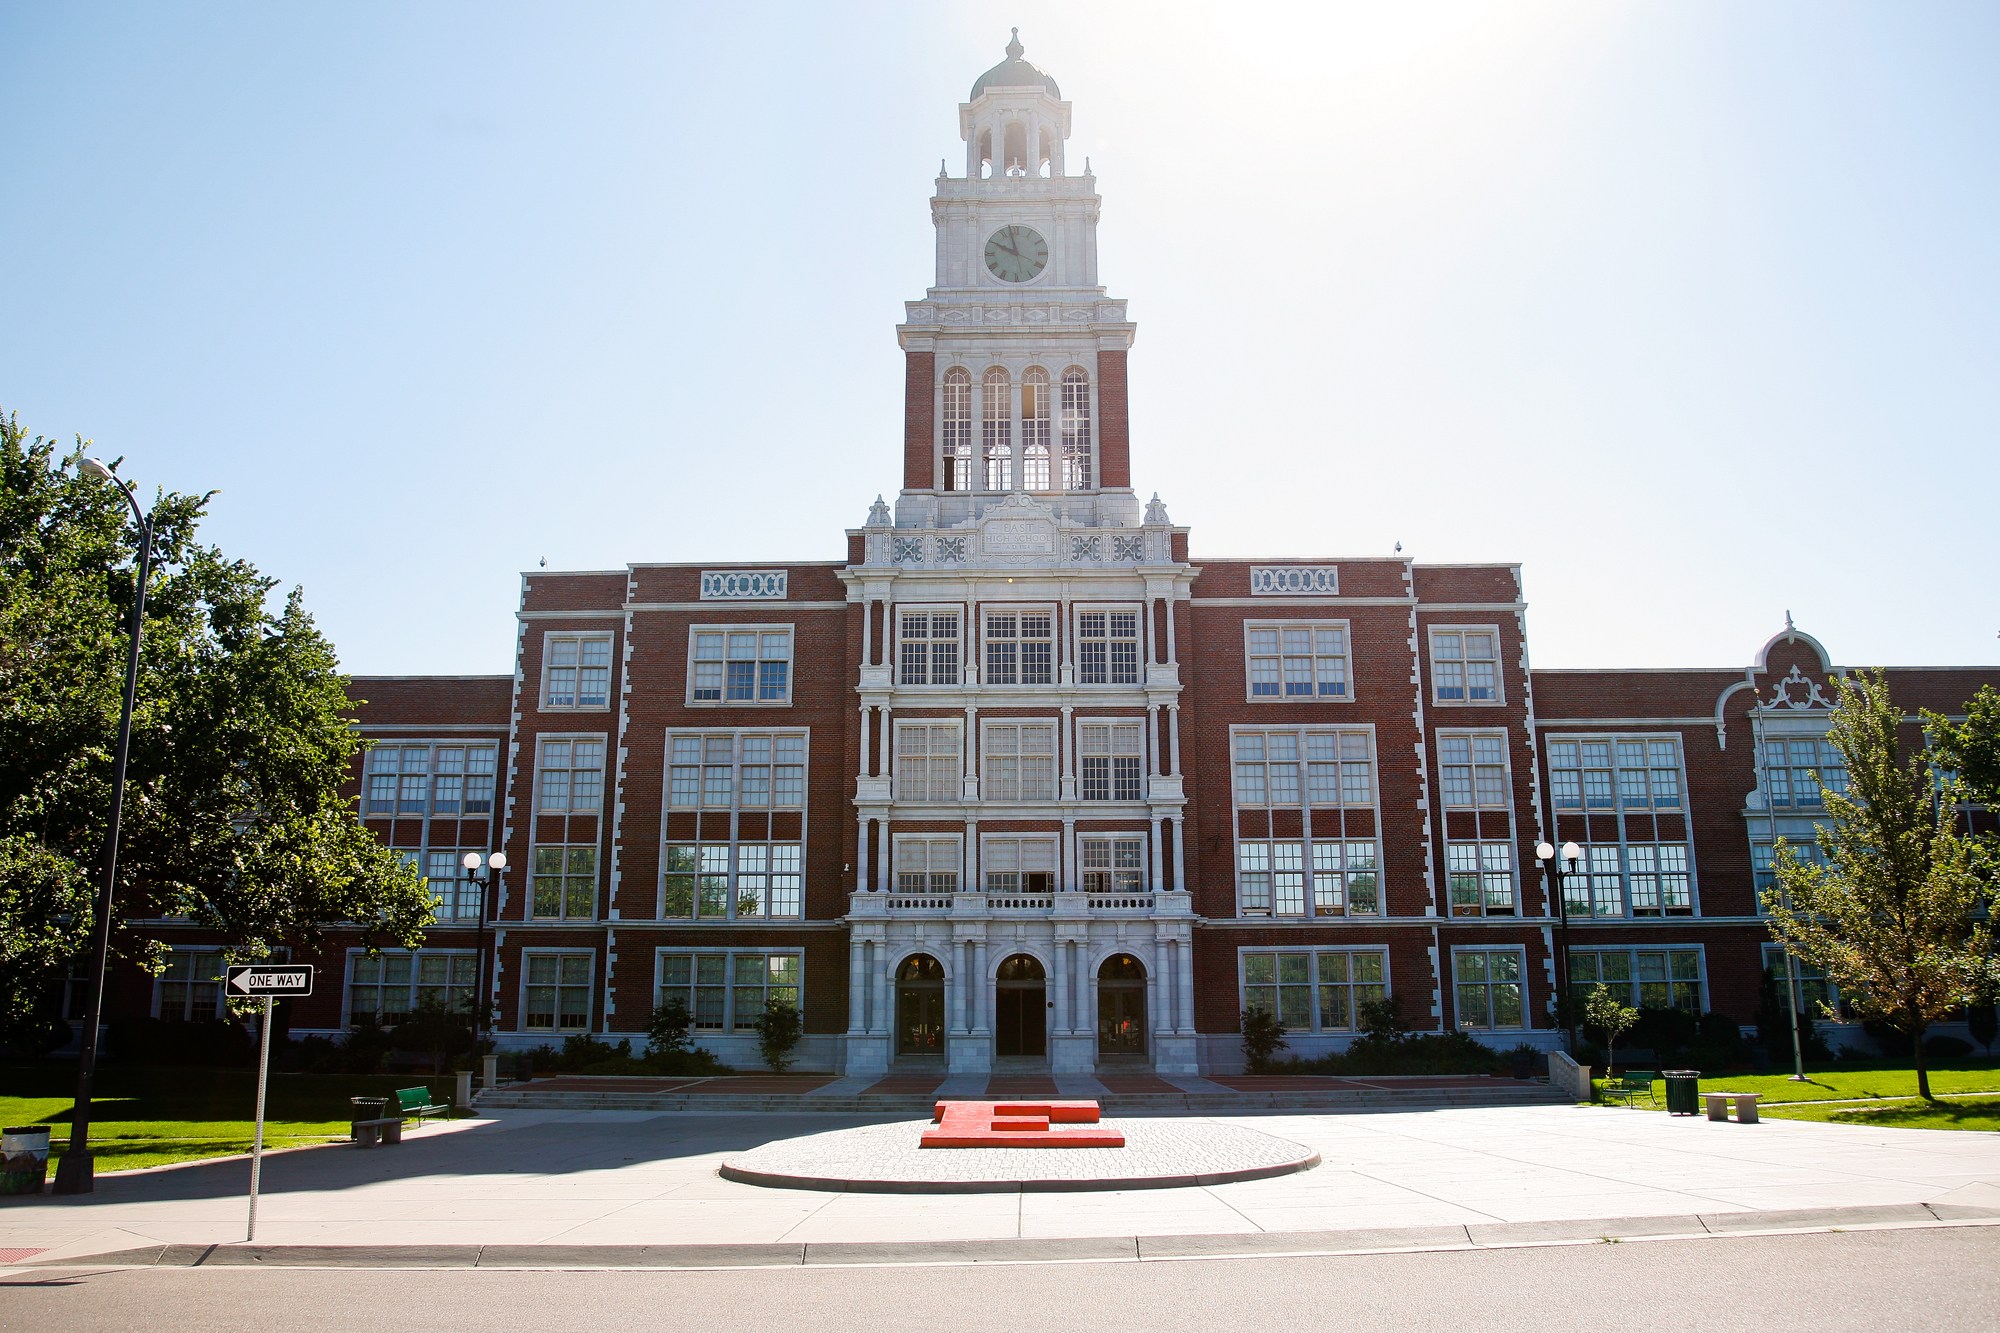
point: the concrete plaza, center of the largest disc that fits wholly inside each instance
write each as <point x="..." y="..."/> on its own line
<point x="628" y="1179"/>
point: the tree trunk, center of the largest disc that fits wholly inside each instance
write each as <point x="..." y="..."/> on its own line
<point x="1923" y="1074"/>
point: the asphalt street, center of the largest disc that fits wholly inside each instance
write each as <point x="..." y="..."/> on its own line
<point x="1932" y="1279"/>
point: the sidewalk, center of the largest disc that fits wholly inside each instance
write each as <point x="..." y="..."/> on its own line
<point x="637" y="1179"/>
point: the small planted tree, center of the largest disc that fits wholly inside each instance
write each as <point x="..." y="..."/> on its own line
<point x="778" y="1031"/>
<point x="667" y="1029"/>
<point x="1890" y="918"/>
<point x="1611" y="1016"/>
<point x="1263" y="1038"/>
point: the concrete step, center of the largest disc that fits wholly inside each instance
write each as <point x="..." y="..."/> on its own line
<point x="527" y="1097"/>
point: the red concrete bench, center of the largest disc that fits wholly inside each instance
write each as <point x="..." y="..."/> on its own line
<point x="1022" y="1124"/>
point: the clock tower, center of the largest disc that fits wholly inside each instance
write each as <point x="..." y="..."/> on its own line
<point x="1015" y="358"/>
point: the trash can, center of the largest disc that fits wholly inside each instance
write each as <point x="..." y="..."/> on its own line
<point x="366" y="1108"/>
<point x="24" y="1159"/>
<point x="1683" y="1090"/>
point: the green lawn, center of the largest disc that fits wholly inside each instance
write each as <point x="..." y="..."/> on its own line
<point x="149" y="1117"/>
<point x="1882" y="1097"/>
<point x="1975" y="1112"/>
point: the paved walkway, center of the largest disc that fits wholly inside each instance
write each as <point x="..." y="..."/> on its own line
<point x="642" y="1179"/>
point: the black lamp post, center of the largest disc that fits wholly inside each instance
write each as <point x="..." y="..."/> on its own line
<point x="75" y="1174"/>
<point x="481" y="870"/>
<point x="1557" y="868"/>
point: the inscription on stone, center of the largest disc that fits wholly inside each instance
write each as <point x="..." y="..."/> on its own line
<point x="1019" y="537"/>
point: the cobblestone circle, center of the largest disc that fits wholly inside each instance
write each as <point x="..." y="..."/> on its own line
<point x="885" y="1159"/>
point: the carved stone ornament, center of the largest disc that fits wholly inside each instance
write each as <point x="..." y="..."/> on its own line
<point x="744" y="585"/>
<point x="878" y="514"/>
<point x="907" y="550"/>
<point x="1294" y="580"/>
<point x="1156" y="513"/>
<point x="1797" y="691"/>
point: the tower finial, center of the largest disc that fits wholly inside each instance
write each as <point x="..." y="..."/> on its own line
<point x="1014" y="47"/>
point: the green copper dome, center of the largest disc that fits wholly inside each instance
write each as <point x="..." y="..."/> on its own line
<point x="1014" y="72"/>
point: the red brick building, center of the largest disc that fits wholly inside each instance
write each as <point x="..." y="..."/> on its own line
<point x="1020" y="777"/>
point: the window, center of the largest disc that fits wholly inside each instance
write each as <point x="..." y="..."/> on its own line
<point x="769" y="880"/>
<point x="1804" y="846"/>
<point x="577" y="671"/>
<point x="928" y="764"/>
<point x="1075" y="424"/>
<point x="1107" y="647"/>
<point x="1271" y="878"/>
<point x="758" y="770"/>
<point x="1796" y="770"/>
<point x="997" y="431"/>
<point x="1647" y="978"/>
<point x="1035" y="430"/>
<point x="1109" y="757"/>
<point x="1338" y="768"/>
<point x="389" y="987"/>
<point x="1488" y="988"/>
<point x="1298" y="660"/>
<point x="928" y="864"/>
<point x="1112" y="865"/>
<point x="1616" y="772"/>
<point x="956" y="417"/>
<point x="927" y="648"/>
<point x="572" y="775"/>
<point x="728" y="991"/>
<point x="1465" y="665"/>
<point x="556" y="996"/>
<point x="429" y="779"/>
<point x="1653" y="877"/>
<point x="564" y="884"/>
<point x="1020" y="761"/>
<point x="1020" y="647"/>
<point x="190" y="990"/>
<point x="457" y="894"/>
<point x="1019" y="864"/>
<point x="741" y="666"/>
<point x="1317" y="991"/>
<point x="1472" y="768"/>
<point x="1481" y="877"/>
<point x="1817" y="996"/>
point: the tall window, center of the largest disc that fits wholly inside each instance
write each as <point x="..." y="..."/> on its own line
<point x="564" y="884"/>
<point x="1019" y="864"/>
<point x="1020" y="761"/>
<point x="578" y="671"/>
<point x="571" y="773"/>
<point x="1020" y="647"/>
<point x="1816" y="994"/>
<point x="1653" y="878"/>
<point x="1337" y="768"/>
<point x="1035" y="430"/>
<point x="389" y="987"/>
<point x="1481" y="876"/>
<point x="456" y="894"/>
<point x="556" y="997"/>
<point x="1647" y="978"/>
<point x="728" y="991"/>
<point x="1107" y="647"/>
<point x="1314" y="991"/>
<point x="1489" y="988"/>
<point x="1796" y="770"/>
<point x="927" y="648"/>
<point x="928" y="762"/>
<point x="768" y="880"/>
<point x="1616" y="772"/>
<point x="928" y="864"/>
<point x="191" y="987"/>
<point x="1473" y="770"/>
<point x="758" y="770"/>
<point x="1271" y="878"/>
<point x="1076" y="430"/>
<point x="957" y="420"/>
<point x="997" y="431"/>
<point x="1110" y="755"/>
<point x="1298" y="661"/>
<point x="1465" y="665"/>
<point x="429" y="779"/>
<point x="1112" y="864"/>
<point x="747" y="666"/>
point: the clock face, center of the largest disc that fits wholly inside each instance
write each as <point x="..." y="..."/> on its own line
<point x="1016" y="253"/>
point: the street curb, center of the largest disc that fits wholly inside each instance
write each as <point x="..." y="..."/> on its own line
<point x="1087" y="1249"/>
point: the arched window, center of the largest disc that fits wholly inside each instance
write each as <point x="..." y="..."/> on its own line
<point x="1035" y="430"/>
<point x="957" y="417"/>
<point x="1076" y="429"/>
<point x="998" y="435"/>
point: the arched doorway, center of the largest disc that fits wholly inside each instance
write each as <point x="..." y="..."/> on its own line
<point x="920" y="1006"/>
<point x="1121" y="1008"/>
<point x="1020" y="1008"/>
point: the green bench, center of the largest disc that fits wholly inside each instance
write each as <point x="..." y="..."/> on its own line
<point x="1633" y="1084"/>
<point x="417" y="1102"/>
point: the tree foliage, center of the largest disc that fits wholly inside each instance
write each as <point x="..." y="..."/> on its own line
<point x="1890" y="917"/>
<point x="1610" y="1016"/>
<point x="241" y="738"/>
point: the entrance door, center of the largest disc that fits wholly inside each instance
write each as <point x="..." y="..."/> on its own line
<point x="1020" y="1008"/>
<point x="1121" y="1008"/>
<point x="920" y="1006"/>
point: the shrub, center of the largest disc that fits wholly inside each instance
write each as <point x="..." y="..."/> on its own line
<point x="1667" y="1032"/>
<point x="209" y="1043"/>
<point x="34" y="1035"/>
<point x="1774" y="1030"/>
<point x="1947" y="1048"/>
<point x="439" y="1030"/>
<point x="667" y="1029"/>
<point x="693" y="1062"/>
<point x="1983" y="1022"/>
<point x="779" y="1028"/>
<point x="1263" y="1038"/>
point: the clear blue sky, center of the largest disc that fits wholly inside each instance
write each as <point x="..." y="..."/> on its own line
<point x="1691" y="308"/>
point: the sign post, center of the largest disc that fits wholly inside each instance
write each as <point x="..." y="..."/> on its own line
<point x="269" y="980"/>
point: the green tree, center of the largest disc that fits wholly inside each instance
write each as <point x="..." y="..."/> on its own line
<point x="1890" y="917"/>
<point x="1609" y="1015"/>
<point x="241" y="739"/>
<point x="778" y="1031"/>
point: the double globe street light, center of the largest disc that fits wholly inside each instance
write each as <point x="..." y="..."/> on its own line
<point x="1558" y="867"/>
<point x="483" y="871"/>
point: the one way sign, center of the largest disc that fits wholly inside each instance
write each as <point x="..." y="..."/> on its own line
<point x="271" y="979"/>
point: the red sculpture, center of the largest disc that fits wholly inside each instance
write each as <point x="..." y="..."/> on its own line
<point x="1017" y="1125"/>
